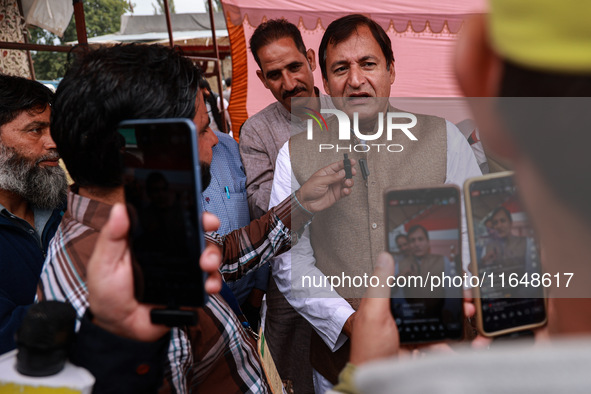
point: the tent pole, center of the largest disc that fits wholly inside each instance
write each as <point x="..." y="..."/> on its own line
<point x="19" y="46"/>
<point x="25" y="36"/>
<point x="168" y="23"/>
<point x="218" y="67"/>
<point x="80" y="22"/>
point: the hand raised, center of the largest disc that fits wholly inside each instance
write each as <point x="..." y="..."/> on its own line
<point x="325" y="187"/>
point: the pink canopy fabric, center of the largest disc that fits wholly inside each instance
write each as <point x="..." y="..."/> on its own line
<point x="399" y="12"/>
<point x="423" y="33"/>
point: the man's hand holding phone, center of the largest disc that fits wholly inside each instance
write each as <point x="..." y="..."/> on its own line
<point x="110" y="280"/>
<point x="325" y="187"/>
<point x="375" y="334"/>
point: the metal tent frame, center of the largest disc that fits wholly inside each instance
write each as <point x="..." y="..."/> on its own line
<point x="81" y="34"/>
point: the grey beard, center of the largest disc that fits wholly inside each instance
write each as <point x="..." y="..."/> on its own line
<point x="42" y="187"/>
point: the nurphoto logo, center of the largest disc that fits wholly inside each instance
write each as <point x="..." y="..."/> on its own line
<point x="395" y="121"/>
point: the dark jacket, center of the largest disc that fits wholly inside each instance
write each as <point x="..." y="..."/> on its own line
<point x="119" y="365"/>
<point x="21" y="261"/>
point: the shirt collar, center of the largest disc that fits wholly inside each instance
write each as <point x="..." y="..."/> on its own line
<point x="89" y="212"/>
<point x="41" y="217"/>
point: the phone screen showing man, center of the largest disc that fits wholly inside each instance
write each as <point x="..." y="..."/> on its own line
<point x="507" y="257"/>
<point x="423" y="235"/>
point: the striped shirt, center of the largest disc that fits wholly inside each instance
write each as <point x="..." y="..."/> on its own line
<point x="217" y="355"/>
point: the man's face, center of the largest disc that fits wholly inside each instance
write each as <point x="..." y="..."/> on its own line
<point x="29" y="135"/>
<point x="501" y="224"/>
<point x="356" y="69"/>
<point x="402" y="244"/>
<point x="29" y="160"/>
<point x="286" y="72"/>
<point x="206" y="139"/>
<point x="419" y="244"/>
<point x="490" y="229"/>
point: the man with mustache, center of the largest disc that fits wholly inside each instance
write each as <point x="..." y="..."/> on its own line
<point x="358" y="72"/>
<point x="505" y="246"/>
<point x="537" y="84"/>
<point x="286" y="69"/>
<point x="32" y="196"/>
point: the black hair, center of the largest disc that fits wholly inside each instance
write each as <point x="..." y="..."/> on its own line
<point x="418" y="227"/>
<point x="501" y="208"/>
<point x="212" y="99"/>
<point x="104" y="86"/>
<point x="228" y="81"/>
<point x="19" y="94"/>
<point x="401" y="236"/>
<point x="341" y="29"/>
<point x="271" y="31"/>
<point x="553" y="131"/>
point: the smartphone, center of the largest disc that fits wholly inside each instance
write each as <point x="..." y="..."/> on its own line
<point x="504" y="255"/>
<point x="162" y="190"/>
<point x="423" y="233"/>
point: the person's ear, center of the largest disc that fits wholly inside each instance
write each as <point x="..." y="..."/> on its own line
<point x="326" y="88"/>
<point x="311" y="56"/>
<point x="392" y="73"/>
<point x="262" y="78"/>
<point x="478" y="68"/>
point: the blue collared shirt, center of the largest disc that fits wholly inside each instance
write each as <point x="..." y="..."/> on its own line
<point x="225" y="196"/>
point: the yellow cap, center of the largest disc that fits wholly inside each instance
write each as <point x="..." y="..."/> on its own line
<point x="545" y="34"/>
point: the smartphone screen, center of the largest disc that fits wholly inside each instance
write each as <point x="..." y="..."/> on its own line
<point x="505" y="252"/>
<point x="162" y="186"/>
<point x="424" y="236"/>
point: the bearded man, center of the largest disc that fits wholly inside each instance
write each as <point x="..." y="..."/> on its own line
<point x="32" y="196"/>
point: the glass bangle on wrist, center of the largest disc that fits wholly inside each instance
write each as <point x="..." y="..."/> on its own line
<point x="295" y="198"/>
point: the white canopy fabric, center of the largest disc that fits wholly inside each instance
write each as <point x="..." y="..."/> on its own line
<point x="153" y="28"/>
<point x="156" y="36"/>
<point x="51" y="15"/>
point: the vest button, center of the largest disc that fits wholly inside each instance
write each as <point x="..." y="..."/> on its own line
<point x="374" y="225"/>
